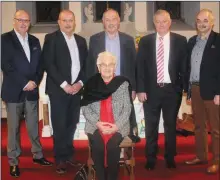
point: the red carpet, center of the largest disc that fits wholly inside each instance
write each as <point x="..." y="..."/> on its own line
<point x="30" y="171"/>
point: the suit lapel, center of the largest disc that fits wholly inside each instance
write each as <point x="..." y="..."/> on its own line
<point x="31" y="48"/>
<point x="101" y="46"/>
<point x="154" y="57"/>
<point x="18" y="44"/>
<point x="209" y="43"/>
<point x="64" y="46"/>
<point x="171" y="53"/>
<point x="121" y="40"/>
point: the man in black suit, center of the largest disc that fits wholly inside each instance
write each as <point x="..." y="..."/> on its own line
<point x="119" y="44"/>
<point x="161" y="68"/>
<point x="22" y="75"/>
<point x="64" y="54"/>
<point x="204" y="82"/>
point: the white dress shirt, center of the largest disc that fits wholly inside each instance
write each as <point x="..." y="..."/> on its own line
<point x="24" y="44"/>
<point x="74" y="54"/>
<point x="166" y="45"/>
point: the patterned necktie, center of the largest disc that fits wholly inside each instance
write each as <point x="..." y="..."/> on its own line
<point x="160" y="61"/>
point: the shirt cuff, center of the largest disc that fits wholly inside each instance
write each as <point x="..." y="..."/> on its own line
<point x="81" y="83"/>
<point x="63" y="84"/>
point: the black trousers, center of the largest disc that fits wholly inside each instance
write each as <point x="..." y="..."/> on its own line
<point x="113" y="155"/>
<point x="65" y="111"/>
<point x="168" y="100"/>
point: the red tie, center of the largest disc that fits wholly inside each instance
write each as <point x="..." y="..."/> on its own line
<point x="160" y="61"/>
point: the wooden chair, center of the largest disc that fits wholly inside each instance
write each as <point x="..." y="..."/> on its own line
<point x="128" y="162"/>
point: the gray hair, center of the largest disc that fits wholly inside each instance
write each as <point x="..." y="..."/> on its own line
<point x="161" y="11"/>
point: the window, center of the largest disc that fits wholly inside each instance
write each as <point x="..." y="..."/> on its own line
<point x="102" y="6"/>
<point x="173" y="7"/>
<point x="47" y="12"/>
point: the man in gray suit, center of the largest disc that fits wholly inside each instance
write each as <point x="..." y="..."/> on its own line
<point x="119" y="44"/>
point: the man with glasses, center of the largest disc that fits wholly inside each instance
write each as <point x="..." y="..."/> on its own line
<point x="204" y="78"/>
<point x="22" y="75"/>
<point x="64" y="55"/>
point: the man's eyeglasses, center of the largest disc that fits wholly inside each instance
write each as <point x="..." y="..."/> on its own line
<point x="22" y="20"/>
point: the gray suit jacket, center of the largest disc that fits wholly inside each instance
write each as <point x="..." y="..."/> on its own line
<point x="127" y="55"/>
<point x="121" y="105"/>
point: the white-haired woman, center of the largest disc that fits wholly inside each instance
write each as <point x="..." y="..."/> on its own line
<point x="107" y="106"/>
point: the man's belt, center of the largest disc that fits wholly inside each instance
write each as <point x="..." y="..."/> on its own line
<point x="195" y="83"/>
<point x="162" y="84"/>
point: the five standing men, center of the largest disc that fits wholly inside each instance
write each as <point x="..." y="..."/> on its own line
<point x="22" y="75"/>
<point x="161" y="78"/>
<point x="204" y="81"/>
<point x="161" y="68"/>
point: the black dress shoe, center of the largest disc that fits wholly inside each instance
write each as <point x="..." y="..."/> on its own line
<point x="14" y="171"/>
<point x="170" y="164"/>
<point x="42" y="162"/>
<point x="150" y="166"/>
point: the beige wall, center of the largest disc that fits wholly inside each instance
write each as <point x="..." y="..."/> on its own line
<point x="8" y="10"/>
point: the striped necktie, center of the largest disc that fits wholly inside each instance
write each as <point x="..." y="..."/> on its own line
<point x="160" y="61"/>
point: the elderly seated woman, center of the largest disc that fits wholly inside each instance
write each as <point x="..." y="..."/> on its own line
<point x="107" y="106"/>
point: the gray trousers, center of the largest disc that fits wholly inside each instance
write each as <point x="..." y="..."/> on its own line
<point x="14" y="111"/>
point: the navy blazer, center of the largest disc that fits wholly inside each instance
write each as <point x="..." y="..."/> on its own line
<point x="17" y="70"/>
<point x="127" y="55"/>
<point x="209" y="68"/>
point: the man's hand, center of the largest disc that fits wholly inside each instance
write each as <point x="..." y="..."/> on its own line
<point x="217" y="100"/>
<point x="133" y="95"/>
<point x="142" y="97"/>
<point x="76" y="87"/>
<point x="68" y="89"/>
<point x="30" y="86"/>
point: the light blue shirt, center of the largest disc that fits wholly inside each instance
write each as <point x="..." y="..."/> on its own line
<point x="113" y="46"/>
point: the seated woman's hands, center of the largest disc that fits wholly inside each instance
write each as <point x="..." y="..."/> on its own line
<point x="107" y="128"/>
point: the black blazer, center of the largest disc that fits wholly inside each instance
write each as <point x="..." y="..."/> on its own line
<point x="127" y="55"/>
<point x="147" y="66"/>
<point x="17" y="70"/>
<point x="57" y="61"/>
<point x="210" y="66"/>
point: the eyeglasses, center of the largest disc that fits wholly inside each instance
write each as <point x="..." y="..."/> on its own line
<point x="22" y="20"/>
<point x="107" y="66"/>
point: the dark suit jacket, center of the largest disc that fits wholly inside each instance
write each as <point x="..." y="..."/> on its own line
<point x="147" y="65"/>
<point x="210" y="66"/>
<point x="17" y="70"/>
<point x="57" y="61"/>
<point x="127" y="55"/>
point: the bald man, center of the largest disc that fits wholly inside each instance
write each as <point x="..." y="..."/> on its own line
<point x="204" y="81"/>
<point x="64" y="54"/>
<point x="22" y="74"/>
